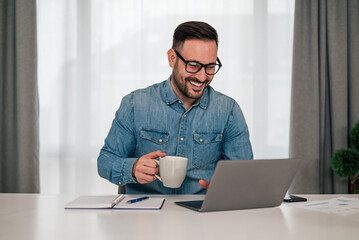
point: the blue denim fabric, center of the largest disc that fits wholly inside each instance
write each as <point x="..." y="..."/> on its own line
<point x="154" y="119"/>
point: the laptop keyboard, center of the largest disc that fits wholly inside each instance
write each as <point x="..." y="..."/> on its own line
<point x="191" y="204"/>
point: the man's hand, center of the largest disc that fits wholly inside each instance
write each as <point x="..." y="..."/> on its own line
<point x="203" y="183"/>
<point x="145" y="168"/>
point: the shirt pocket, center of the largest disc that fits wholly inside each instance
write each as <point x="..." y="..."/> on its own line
<point x="206" y="149"/>
<point x="153" y="140"/>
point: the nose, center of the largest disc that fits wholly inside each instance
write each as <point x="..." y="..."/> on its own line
<point x="201" y="75"/>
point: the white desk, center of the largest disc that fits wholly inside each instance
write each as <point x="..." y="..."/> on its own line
<point x="32" y="216"/>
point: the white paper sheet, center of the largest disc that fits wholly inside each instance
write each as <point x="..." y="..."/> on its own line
<point x="343" y="206"/>
<point x="153" y="203"/>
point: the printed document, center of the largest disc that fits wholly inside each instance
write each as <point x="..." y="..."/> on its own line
<point x="343" y="206"/>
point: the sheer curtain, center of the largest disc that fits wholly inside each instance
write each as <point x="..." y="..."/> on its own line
<point x="92" y="53"/>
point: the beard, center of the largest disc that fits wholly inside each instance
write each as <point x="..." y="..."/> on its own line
<point x="182" y="86"/>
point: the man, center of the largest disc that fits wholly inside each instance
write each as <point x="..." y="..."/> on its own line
<point x="182" y="116"/>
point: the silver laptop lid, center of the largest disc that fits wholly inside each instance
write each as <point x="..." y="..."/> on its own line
<point x="245" y="184"/>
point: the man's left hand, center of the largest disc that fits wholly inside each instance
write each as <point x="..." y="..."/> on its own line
<point x="203" y="183"/>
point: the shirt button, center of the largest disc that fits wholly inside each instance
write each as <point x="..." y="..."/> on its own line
<point x="201" y="140"/>
<point x="179" y="102"/>
<point x="185" y="115"/>
<point x="160" y="140"/>
<point x="120" y="183"/>
<point x="130" y="180"/>
<point x="181" y="138"/>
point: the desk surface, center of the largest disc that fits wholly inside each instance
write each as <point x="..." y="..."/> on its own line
<point x="32" y="216"/>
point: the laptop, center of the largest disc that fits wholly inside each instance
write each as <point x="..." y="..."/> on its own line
<point x="246" y="184"/>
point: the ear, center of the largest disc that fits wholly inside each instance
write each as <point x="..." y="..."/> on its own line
<point x="171" y="55"/>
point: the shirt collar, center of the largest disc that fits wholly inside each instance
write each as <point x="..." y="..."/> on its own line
<point x="170" y="97"/>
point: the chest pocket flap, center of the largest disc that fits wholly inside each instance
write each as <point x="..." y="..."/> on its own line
<point x="205" y="138"/>
<point x="154" y="136"/>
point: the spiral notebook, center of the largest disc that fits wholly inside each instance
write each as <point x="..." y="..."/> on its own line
<point x="115" y="202"/>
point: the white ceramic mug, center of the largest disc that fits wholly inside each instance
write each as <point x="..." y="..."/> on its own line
<point x="173" y="170"/>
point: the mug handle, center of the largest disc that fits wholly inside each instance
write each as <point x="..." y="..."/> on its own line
<point x="157" y="176"/>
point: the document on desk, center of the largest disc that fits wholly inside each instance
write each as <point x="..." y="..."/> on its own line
<point x="114" y="202"/>
<point x="343" y="206"/>
<point x="152" y="203"/>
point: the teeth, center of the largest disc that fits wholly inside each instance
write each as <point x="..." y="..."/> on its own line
<point x="196" y="84"/>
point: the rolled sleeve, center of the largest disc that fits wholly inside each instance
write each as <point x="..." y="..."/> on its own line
<point x="122" y="171"/>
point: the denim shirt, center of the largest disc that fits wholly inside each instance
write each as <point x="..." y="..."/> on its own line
<point x="154" y="119"/>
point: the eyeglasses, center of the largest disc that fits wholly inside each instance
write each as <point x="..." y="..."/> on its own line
<point x="195" y="67"/>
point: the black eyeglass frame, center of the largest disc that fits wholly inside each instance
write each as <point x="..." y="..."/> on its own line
<point x="202" y="65"/>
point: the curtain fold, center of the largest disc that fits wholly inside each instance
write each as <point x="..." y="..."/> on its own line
<point x="325" y="90"/>
<point x="19" y="105"/>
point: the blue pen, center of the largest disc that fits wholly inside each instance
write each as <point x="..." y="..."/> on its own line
<point x="137" y="199"/>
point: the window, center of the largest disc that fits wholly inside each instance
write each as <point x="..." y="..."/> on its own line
<point x="93" y="54"/>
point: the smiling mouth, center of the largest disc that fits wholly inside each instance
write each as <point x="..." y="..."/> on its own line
<point x="197" y="84"/>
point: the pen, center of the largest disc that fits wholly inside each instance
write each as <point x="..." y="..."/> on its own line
<point x="137" y="199"/>
<point x="315" y="204"/>
<point x="117" y="200"/>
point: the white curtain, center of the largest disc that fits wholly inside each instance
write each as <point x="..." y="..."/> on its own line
<point x="92" y="53"/>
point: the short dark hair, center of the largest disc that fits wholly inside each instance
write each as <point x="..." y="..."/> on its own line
<point x="193" y="30"/>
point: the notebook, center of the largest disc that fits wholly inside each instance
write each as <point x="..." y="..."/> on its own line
<point x="246" y="184"/>
<point x="153" y="203"/>
<point x="114" y="202"/>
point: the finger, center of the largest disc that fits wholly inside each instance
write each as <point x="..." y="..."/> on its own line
<point x="148" y="170"/>
<point x="141" y="170"/>
<point x="145" y="178"/>
<point x="149" y="163"/>
<point x="203" y="183"/>
<point x="145" y="169"/>
<point x="156" y="154"/>
<point x="146" y="162"/>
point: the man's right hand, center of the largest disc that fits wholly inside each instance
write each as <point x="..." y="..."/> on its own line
<point x="145" y="168"/>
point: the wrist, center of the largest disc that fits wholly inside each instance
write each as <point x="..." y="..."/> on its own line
<point x="134" y="168"/>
